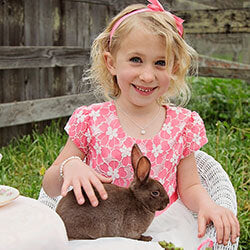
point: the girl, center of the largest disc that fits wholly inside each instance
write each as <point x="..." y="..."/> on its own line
<point x="140" y="62"/>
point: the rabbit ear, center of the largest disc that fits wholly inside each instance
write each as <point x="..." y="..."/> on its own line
<point x="136" y="154"/>
<point x="143" y="169"/>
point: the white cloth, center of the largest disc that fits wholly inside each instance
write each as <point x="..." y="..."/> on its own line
<point x="113" y="244"/>
<point x="176" y="225"/>
<point x="27" y="224"/>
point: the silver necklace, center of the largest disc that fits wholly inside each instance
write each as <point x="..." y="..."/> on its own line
<point x="143" y="129"/>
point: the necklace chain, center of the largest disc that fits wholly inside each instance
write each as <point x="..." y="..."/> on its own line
<point x="143" y="129"/>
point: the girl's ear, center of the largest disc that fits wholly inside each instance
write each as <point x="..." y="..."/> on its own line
<point x="175" y="68"/>
<point x="110" y="62"/>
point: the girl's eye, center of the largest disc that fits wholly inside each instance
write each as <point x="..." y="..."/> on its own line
<point x="161" y="63"/>
<point x="136" y="59"/>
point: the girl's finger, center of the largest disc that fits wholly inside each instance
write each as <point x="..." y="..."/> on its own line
<point x="64" y="189"/>
<point x="99" y="187"/>
<point x="103" y="178"/>
<point x="219" y="230"/>
<point x="237" y="225"/>
<point x="201" y="226"/>
<point x="227" y="229"/>
<point x="235" y="229"/>
<point x="89" y="192"/>
<point x="78" y="192"/>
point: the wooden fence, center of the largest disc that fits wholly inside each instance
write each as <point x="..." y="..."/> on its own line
<point x="44" y="47"/>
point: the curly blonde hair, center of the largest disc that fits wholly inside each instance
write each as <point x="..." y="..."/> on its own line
<point x="158" y="23"/>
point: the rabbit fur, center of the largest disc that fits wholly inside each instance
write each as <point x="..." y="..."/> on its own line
<point x="127" y="212"/>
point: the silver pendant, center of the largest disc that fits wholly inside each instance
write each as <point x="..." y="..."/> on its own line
<point x="143" y="132"/>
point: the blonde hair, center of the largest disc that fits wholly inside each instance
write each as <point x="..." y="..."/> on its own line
<point x="158" y="23"/>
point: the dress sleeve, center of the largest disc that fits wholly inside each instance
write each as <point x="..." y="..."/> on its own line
<point x="77" y="128"/>
<point x="194" y="134"/>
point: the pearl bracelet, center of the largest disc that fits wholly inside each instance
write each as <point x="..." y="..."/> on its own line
<point x="65" y="161"/>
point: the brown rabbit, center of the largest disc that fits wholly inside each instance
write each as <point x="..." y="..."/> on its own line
<point x="127" y="212"/>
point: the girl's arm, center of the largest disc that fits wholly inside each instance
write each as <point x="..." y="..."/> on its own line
<point x="76" y="174"/>
<point x="196" y="198"/>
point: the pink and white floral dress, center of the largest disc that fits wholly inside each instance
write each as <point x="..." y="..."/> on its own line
<point x="97" y="132"/>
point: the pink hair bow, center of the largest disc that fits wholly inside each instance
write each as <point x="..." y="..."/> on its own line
<point x="156" y="6"/>
<point x="179" y="25"/>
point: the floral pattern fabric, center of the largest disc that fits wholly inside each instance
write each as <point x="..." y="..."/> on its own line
<point x="97" y="132"/>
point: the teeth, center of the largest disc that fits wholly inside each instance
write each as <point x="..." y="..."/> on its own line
<point x="144" y="90"/>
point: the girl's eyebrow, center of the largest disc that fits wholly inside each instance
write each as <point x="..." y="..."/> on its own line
<point x="132" y="53"/>
<point x="136" y="53"/>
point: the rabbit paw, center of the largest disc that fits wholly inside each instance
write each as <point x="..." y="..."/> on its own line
<point x="145" y="238"/>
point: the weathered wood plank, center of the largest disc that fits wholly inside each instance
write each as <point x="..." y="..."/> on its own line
<point x="83" y="25"/>
<point x="218" y="3"/>
<point x="2" y="24"/>
<point x="98" y="18"/>
<point x="114" y="3"/>
<point x="42" y="109"/>
<point x="187" y="5"/>
<point x="12" y="35"/>
<point x="222" y="68"/>
<point x="119" y="5"/>
<point x="31" y="23"/>
<point x="34" y="32"/>
<point x="58" y="22"/>
<point x="216" y="21"/>
<point x="181" y="4"/>
<point x="39" y="56"/>
<point x="233" y="47"/>
<point x="99" y="2"/>
<point x="70" y="19"/>
<point x="11" y="22"/>
<point x="46" y="22"/>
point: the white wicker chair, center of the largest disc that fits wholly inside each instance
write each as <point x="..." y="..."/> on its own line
<point x="213" y="178"/>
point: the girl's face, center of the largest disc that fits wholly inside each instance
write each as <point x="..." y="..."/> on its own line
<point x="139" y="66"/>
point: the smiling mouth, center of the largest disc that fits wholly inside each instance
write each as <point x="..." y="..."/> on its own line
<point x="145" y="90"/>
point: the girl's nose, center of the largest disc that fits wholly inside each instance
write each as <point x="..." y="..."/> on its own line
<point x="147" y="75"/>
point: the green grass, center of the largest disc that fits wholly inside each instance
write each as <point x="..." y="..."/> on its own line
<point x="229" y="146"/>
<point x="25" y="160"/>
<point x="223" y="104"/>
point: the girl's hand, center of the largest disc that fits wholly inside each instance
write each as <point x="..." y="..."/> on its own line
<point x="77" y="174"/>
<point x="225" y="222"/>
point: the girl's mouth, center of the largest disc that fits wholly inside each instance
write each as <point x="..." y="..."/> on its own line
<point x="143" y="90"/>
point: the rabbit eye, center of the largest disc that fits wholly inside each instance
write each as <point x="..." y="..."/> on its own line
<point x="155" y="193"/>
